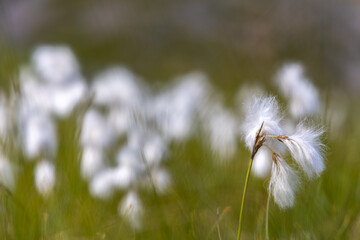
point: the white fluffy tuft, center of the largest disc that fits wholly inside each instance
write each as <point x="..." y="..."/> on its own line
<point x="283" y="184"/>
<point x="261" y="110"/>
<point x="132" y="209"/>
<point x="307" y="150"/>
<point x="302" y="95"/>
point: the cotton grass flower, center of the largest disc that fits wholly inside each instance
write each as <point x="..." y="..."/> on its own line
<point x="161" y="180"/>
<point x="306" y="149"/>
<point x="45" y="177"/>
<point x="38" y="136"/>
<point x="95" y="130"/>
<point x="131" y="209"/>
<point x="261" y="111"/>
<point x="262" y="128"/>
<point x="154" y="150"/>
<point x="6" y="173"/>
<point x="91" y="161"/>
<point x="117" y="86"/>
<point x="302" y="95"/>
<point x="102" y="184"/>
<point x="55" y="64"/>
<point x="284" y="182"/>
<point x="220" y="127"/>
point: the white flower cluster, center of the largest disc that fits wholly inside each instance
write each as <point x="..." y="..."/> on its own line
<point x="126" y="131"/>
<point x="50" y="87"/>
<point x="128" y="128"/>
<point x="262" y="129"/>
<point x="302" y="101"/>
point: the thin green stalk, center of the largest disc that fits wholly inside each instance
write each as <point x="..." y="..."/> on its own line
<point x="267" y="217"/>
<point x="243" y="198"/>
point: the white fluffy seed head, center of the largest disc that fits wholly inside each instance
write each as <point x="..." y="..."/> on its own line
<point x="66" y="97"/>
<point x="38" y="136"/>
<point x="161" y="180"/>
<point x="117" y="86"/>
<point x="131" y="208"/>
<point x="102" y="185"/>
<point x="44" y="177"/>
<point x="95" y="130"/>
<point x="91" y="162"/>
<point x="55" y="64"/>
<point x="6" y="173"/>
<point x="131" y="157"/>
<point x="124" y="177"/>
<point x="307" y="150"/>
<point x="261" y="110"/>
<point x="302" y="95"/>
<point x="120" y="119"/>
<point x="283" y="183"/>
<point x="220" y="127"/>
<point x="154" y="149"/>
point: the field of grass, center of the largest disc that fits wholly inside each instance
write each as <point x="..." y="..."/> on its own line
<point x="204" y="199"/>
<point x="203" y="202"/>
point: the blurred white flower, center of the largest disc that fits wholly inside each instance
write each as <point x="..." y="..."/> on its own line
<point x="174" y="116"/>
<point x="161" y="180"/>
<point x="44" y="177"/>
<point x="131" y="208"/>
<point x="116" y="86"/>
<point x="221" y="131"/>
<point x="35" y="96"/>
<point x="91" y="161"/>
<point x="66" y="96"/>
<point x="194" y="86"/>
<point x="306" y="149"/>
<point x="120" y="119"/>
<point x="135" y="137"/>
<point x="95" y="130"/>
<point x="6" y="173"/>
<point x="283" y="182"/>
<point x="262" y="163"/>
<point x="175" y="109"/>
<point x="124" y="176"/>
<point x="261" y="110"/>
<point x="55" y="64"/>
<point x="303" y="97"/>
<point x="131" y="157"/>
<point x="39" y="136"/>
<point x="102" y="184"/>
<point x="154" y="149"/>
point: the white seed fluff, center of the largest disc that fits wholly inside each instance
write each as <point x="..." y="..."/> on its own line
<point x="261" y="110"/>
<point x="131" y="208"/>
<point x="91" y="161"/>
<point x="44" y="177"/>
<point x="283" y="184"/>
<point x="302" y="95"/>
<point x="307" y="150"/>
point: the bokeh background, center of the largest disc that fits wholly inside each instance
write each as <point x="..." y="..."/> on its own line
<point x="233" y="43"/>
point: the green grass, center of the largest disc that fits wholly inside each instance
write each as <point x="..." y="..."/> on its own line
<point x="327" y="208"/>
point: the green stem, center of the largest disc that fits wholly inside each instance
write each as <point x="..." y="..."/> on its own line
<point x="243" y="198"/>
<point x="267" y="217"/>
